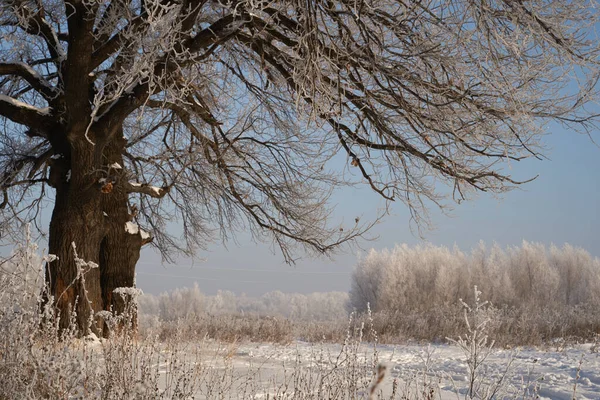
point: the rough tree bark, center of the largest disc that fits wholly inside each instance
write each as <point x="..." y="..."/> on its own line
<point x="119" y="249"/>
<point x="75" y="219"/>
<point x="91" y="211"/>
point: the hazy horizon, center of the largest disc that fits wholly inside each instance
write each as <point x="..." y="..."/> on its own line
<point x="560" y="206"/>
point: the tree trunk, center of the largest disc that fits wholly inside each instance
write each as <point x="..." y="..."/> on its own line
<point x="92" y="214"/>
<point x="76" y="219"/>
<point x="120" y="248"/>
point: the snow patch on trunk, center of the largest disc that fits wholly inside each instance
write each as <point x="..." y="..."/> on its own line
<point x="132" y="228"/>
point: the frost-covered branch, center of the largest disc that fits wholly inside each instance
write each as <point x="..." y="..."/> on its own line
<point x="30" y="17"/>
<point x="153" y="191"/>
<point x="25" y="114"/>
<point x="32" y="77"/>
<point x="241" y="106"/>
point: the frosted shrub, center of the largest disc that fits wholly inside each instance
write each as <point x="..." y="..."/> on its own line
<point x="39" y="360"/>
<point x="21" y="277"/>
<point x="185" y="303"/>
<point x="367" y="280"/>
<point x="408" y="278"/>
<point x="275" y="316"/>
<point x="35" y="358"/>
<point x="577" y="274"/>
<point x="475" y="344"/>
<point x="414" y="290"/>
<point x="181" y="303"/>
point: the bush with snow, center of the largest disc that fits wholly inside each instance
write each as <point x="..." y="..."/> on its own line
<point x="539" y="293"/>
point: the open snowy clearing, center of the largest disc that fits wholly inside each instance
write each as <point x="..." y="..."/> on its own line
<point x="255" y="370"/>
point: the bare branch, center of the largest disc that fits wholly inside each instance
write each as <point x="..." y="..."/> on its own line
<point x="32" y="77"/>
<point x="242" y="108"/>
<point x="35" y="23"/>
<point x="153" y="191"/>
<point x="25" y="114"/>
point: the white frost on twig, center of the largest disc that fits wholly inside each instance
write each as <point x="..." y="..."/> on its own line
<point x="50" y="258"/>
<point x="104" y="314"/>
<point x="128" y="291"/>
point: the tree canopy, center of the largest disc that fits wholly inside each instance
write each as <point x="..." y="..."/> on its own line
<point x="225" y="115"/>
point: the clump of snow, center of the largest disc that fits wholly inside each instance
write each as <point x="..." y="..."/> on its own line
<point x="135" y="184"/>
<point x="144" y="234"/>
<point x="106" y="215"/>
<point x="156" y="190"/>
<point x="128" y="291"/>
<point x="132" y="228"/>
<point x="91" y="338"/>
<point x="50" y="258"/>
<point x="115" y="165"/>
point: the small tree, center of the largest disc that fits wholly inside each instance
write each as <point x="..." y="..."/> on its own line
<point x="224" y="114"/>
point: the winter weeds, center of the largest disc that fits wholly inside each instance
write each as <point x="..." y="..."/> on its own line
<point x="245" y="356"/>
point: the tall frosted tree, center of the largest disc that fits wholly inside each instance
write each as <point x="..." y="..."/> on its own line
<point x="225" y="115"/>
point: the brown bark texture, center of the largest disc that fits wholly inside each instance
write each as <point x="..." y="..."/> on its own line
<point x="89" y="215"/>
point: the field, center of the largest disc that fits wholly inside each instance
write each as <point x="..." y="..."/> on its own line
<point x="174" y="361"/>
<point x="185" y="345"/>
<point x="411" y="371"/>
<point x="206" y="369"/>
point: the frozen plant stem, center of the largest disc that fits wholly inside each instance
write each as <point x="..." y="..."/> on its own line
<point x="474" y="344"/>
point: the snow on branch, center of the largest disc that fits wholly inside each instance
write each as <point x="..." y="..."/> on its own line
<point x="134" y="229"/>
<point x="24" y="114"/>
<point x="153" y="191"/>
<point x="32" y="77"/>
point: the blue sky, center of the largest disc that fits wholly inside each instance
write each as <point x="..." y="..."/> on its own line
<point x="561" y="206"/>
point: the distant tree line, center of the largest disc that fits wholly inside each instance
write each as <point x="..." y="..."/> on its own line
<point x="420" y="278"/>
<point x="415" y="279"/>
<point x="191" y="302"/>
<point x="536" y="294"/>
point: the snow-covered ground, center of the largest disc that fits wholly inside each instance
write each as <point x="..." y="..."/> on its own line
<point x="438" y="371"/>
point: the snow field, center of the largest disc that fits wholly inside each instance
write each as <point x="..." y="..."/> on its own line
<point x="303" y="370"/>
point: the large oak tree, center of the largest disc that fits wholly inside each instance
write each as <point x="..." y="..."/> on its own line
<point x="225" y="115"/>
